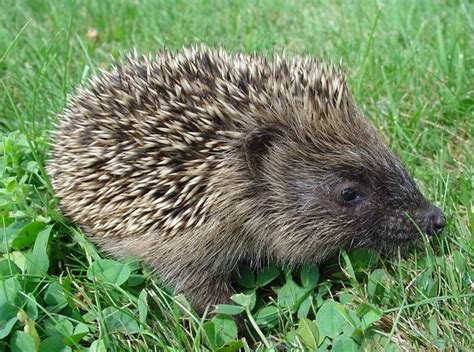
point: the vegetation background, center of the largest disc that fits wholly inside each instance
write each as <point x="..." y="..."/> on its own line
<point x="410" y="66"/>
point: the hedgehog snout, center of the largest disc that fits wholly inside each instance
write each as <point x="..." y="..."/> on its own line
<point x="435" y="221"/>
<point x="430" y="220"/>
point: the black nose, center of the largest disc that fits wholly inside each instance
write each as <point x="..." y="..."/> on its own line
<point x="436" y="221"/>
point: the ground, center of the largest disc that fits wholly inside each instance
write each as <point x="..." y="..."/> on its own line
<point x="410" y="67"/>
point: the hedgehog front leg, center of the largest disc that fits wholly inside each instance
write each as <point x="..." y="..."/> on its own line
<point x="205" y="292"/>
<point x="209" y="292"/>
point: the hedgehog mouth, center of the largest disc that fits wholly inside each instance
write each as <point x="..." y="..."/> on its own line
<point x="399" y="242"/>
<point x="389" y="240"/>
<point x="403" y="230"/>
<point x="403" y="237"/>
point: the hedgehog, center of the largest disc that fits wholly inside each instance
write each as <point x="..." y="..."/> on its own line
<point x="199" y="160"/>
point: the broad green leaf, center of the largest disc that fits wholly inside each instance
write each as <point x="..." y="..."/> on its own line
<point x="376" y="284"/>
<point x="308" y="333"/>
<point x="6" y="327"/>
<point x="30" y="327"/>
<point x="459" y="259"/>
<point x="309" y="275"/>
<point x="427" y="284"/>
<point x="225" y="329"/>
<point x="267" y="275"/>
<point x="291" y="336"/>
<point x="304" y="308"/>
<point x="182" y="302"/>
<point x="81" y="328"/>
<point x="89" y="317"/>
<point x="370" y="317"/>
<point x="80" y="331"/>
<point x="433" y="326"/>
<point x="32" y="166"/>
<point x="109" y="271"/>
<point x="363" y="259"/>
<point x="210" y="331"/>
<point x="143" y="306"/>
<point x="344" y="344"/>
<point x="244" y="300"/>
<point x="38" y="259"/>
<point x="351" y="318"/>
<point x="54" y="343"/>
<point x="31" y="307"/>
<point x="59" y="326"/>
<point x="228" y="309"/>
<point x="7" y="267"/>
<point x="19" y="258"/>
<point x="329" y="320"/>
<point x="362" y="309"/>
<point x="28" y="234"/>
<point x="290" y="295"/>
<point x="10" y="183"/>
<point x="345" y="298"/>
<point x="267" y="316"/>
<point x="98" y="346"/>
<point x="117" y="320"/>
<point x="245" y="277"/>
<point x="9" y="233"/>
<point x="135" y="280"/>
<point x="54" y="295"/>
<point x="231" y="346"/>
<point x="22" y="342"/>
<point x="10" y="299"/>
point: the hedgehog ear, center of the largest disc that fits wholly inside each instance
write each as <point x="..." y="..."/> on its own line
<point x="256" y="145"/>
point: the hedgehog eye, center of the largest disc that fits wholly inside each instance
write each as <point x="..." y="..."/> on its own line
<point x="350" y="195"/>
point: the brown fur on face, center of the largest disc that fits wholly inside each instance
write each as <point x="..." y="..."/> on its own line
<point x="198" y="160"/>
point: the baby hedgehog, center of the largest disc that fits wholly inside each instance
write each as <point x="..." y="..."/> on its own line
<point x="199" y="160"/>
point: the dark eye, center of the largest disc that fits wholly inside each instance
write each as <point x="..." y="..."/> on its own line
<point x="350" y="195"/>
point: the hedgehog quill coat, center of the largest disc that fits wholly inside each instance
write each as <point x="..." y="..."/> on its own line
<point x="198" y="160"/>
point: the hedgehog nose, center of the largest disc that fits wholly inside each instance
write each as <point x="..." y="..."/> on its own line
<point x="436" y="221"/>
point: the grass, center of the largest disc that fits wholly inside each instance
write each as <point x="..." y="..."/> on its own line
<point x="410" y="66"/>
